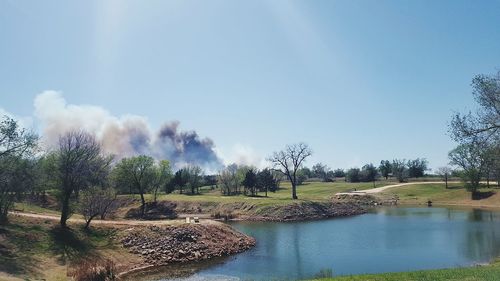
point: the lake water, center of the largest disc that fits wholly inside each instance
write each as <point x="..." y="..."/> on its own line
<point x="384" y="240"/>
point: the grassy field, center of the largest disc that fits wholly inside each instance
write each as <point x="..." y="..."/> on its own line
<point x="456" y="194"/>
<point x="310" y="191"/>
<point x="478" y="273"/>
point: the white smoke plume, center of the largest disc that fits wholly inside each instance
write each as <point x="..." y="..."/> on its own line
<point x="123" y="136"/>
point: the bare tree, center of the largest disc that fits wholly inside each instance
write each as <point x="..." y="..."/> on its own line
<point x="229" y="180"/>
<point x="96" y="201"/>
<point x="289" y="161"/>
<point x="78" y="164"/>
<point x="444" y="173"/>
<point x="484" y="124"/>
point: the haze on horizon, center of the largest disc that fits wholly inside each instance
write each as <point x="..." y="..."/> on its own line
<point x="359" y="81"/>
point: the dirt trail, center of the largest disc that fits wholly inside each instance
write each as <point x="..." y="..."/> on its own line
<point x="383" y="188"/>
<point x="113" y="222"/>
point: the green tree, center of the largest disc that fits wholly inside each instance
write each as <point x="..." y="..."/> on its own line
<point x="339" y="173"/>
<point x="16" y="147"/>
<point x="417" y="167"/>
<point x="352" y="175"/>
<point x="250" y="182"/>
<point x="179" y="181"/>
<point x="368" y="173"/>
<point x="136" y="174"/>
<point x="400" y="170"/>
<point x="194" y="175"/>
<point x="385" y="168"/>
<point x="266" y="181"/>
<point x="472" y="160"/>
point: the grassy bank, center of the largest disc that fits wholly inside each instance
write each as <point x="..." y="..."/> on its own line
<point x="35" y="249"/>
<point x="478" y="273"/>
<point x="455" y="195"/>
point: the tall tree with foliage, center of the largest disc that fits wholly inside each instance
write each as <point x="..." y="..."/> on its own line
<point x="289" y="161"/>
<point x="368" y="173"/>
<point x="137" y="174"/>
<point x="16" y="146"/>
<point x="400" y="170"/>
<point x="417" y="167"/>
<point x="16" y="178"/>
<point x="352" y="175"/>
<point x="178" y="181"/>
<point x="478" y="133"/>
<point x="77" y="164"/>
<point x="250" y="182"/>
<point x="472" y="160"/>
<point x="385" y="168"/>
<point x="266" y="181"/>
<point x="194" y="176"/>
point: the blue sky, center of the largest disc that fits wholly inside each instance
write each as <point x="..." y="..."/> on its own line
<point x="359" y="81"/>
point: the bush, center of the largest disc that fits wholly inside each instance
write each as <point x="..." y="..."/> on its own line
<point x="95" y="271"/>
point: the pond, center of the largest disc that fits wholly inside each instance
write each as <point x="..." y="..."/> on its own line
<point x="383" y="240"/>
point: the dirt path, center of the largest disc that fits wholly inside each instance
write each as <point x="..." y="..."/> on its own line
<point x="383" y="188"/>
<point x="112" y="222"/>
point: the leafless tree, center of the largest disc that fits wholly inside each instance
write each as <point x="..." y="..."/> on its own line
<point x="96" y="201"/>
<point x="229" y="180"/>
<point x="79" y="165"/>
<point x="444" y="173"/>
<point x="289" y="161"/>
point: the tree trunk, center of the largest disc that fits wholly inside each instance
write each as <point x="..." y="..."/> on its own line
<point x="294" y="191"/>
<point x="143" y="206"/>
<point x="446" y="181"/>
<point x="65" y="209"/>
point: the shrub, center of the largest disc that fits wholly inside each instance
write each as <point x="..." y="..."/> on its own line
<point x="95" y="271"/>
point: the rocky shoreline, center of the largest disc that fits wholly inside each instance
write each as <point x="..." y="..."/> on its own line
<point x="160" y="246"/>
<point x="304" y="211"/>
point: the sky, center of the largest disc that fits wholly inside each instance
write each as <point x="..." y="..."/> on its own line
<point x="358" y="81"/>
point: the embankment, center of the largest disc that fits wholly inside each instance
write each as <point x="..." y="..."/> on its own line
<point x="253" y="211"/>
<point x="183" y="243"/>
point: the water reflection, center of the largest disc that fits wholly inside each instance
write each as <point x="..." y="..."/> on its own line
<point x="387" y="239"/>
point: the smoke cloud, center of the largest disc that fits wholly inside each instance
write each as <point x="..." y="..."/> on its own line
<point x="124" y="136"/>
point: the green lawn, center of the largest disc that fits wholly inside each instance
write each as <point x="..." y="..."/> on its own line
<point x="478" y="273"/>
<point x="310" y="191"/>
<point x="456" y="194"/>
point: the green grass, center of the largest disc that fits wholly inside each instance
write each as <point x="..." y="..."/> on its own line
<point x="31" y="208"/>
<point x="310" y="191"/>
<point x="478" y="273"/>
<point x="456" y="194"/>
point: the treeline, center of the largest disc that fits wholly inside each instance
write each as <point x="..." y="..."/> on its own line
<point x="86" y="180"/>
<point x="401" y="169"/>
